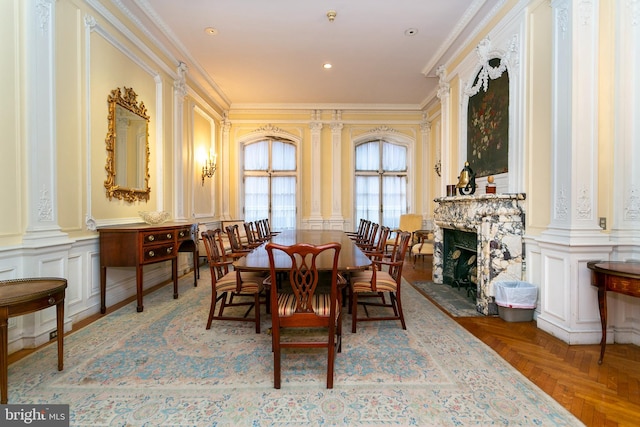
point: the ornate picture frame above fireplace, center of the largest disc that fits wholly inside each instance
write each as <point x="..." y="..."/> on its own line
<point x="488" y="120"/>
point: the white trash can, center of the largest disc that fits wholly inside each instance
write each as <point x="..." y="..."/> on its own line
<point x="516" y="300"/>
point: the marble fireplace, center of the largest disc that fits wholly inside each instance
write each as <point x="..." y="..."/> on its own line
<point x="497" y="220"/>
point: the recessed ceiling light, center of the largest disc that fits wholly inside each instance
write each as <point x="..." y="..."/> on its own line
<point x="410" y="32"/>
<point x="326" y="65"/>
<point x="211" y="31"/>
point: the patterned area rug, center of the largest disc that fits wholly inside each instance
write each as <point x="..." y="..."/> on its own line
<point x="453" y="300"/>
<point x="162" y="367"/>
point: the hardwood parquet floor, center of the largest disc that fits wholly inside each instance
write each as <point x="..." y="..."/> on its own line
<point x="598" y="395"/>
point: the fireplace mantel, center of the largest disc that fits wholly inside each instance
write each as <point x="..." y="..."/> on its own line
<point x="498" y="221"/>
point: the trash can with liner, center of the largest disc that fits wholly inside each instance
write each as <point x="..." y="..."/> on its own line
<point x="516" y="300"/>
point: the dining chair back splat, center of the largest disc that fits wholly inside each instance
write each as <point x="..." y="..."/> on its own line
<point x="306" y="304"/>
<point x="238" y="249"/>
<point x="384" y="276"/>
<point x="230" y="288"/>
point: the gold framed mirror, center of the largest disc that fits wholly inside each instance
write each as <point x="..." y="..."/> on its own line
<point x="127" y="147"/>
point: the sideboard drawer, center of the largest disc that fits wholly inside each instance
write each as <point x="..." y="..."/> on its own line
<point x="155" y="237"/>
<point x="157" y="253"/>
<point x="185" y="233"/>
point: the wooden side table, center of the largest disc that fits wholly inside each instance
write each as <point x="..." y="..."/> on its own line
<point x="613" y="276"/>
<point x="24" y="296"/>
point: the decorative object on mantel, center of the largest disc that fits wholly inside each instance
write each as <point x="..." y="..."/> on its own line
<point x="451" y="190"/>
<point x="438" y="167"/>
<point x="154" y="217"/>
<point x="490" y="188"/>
<point x="466" y="181"/>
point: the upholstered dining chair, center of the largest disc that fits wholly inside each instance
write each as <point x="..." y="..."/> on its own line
<point x="385" y="276"/>
<point x="305" y="305"/>
<point x="424" y="246"/>
<point x="408" y="222"/>
<point x="230" y="287"/>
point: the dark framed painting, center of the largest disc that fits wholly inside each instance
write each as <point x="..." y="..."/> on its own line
<point x="488" y="125"/>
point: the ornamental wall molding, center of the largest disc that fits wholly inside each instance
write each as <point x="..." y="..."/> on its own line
<point x="509" y="60"/>
<point x="384" y="129"/>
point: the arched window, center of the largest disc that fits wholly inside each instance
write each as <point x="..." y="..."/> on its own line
<point x="270" y="183"/>
<point x="381" y="182"/>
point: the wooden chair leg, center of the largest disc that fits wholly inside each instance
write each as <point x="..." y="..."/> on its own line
<point x="354" y="311"/>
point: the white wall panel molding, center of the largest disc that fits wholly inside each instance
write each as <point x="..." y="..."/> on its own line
<point x="39" y="115"/>
<point x="625" y="227"/>
<point x="93" y="26"/>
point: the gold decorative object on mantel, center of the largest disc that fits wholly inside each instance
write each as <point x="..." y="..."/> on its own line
<point x="127" y="146"/>
<point x="466" y="181"/>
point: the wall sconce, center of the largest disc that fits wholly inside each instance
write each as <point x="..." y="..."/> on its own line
<point x="438" y="167"/>
<point x="209" y="166"/>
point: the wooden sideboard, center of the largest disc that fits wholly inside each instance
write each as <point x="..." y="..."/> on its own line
<point x="136" y="245"/>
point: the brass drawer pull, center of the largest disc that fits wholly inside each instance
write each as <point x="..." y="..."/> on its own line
<point x="169" y="250"/>
<point x="52" y="300"/>
<point x="152" y="254"/>
<point x="168" y="235"/>
<point x="151" y="238"/>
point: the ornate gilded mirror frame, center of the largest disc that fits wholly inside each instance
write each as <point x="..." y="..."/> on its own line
<point x="124" y="109"/>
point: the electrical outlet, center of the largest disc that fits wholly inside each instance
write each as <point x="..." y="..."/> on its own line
<point x="53" y="335"/>
<point x="603" y="223"/>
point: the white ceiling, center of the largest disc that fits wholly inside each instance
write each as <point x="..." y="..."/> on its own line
<point x="271" y="52"/>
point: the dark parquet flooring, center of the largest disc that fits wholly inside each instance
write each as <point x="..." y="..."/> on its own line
<point x="599" y="395"/>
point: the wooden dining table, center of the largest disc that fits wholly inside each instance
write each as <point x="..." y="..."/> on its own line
<point x="351" y="257"/>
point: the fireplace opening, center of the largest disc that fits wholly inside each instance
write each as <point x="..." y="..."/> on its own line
<point x="460" y="260"/>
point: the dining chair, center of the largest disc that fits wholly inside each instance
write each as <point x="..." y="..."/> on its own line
<point x="253" y="238"/>
<point x="238" y="249"/>
<point x="362" y="231"/>
<point x="370" y="238"/>
<point x="385" y="276"/>
<point x="407" y="222"/>
<point x="231" y="288"/>
<point x="424" y="246"/>
<point x="376" y="248"/>
<point x="358" y="231"/>
<point x="303" y="304"/>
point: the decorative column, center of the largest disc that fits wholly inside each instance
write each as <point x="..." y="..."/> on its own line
<point x="224" y="175"/>
<point x="40" y="125"/>
<point x="315" y="218"/>
<point x="336" y="222"/>
<point x="179" y="190"/>
<point x="568" y="305"/>
<point x="625" y="227"/>
<point x="445" y="136"/>
<point x="427" y="190"/>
